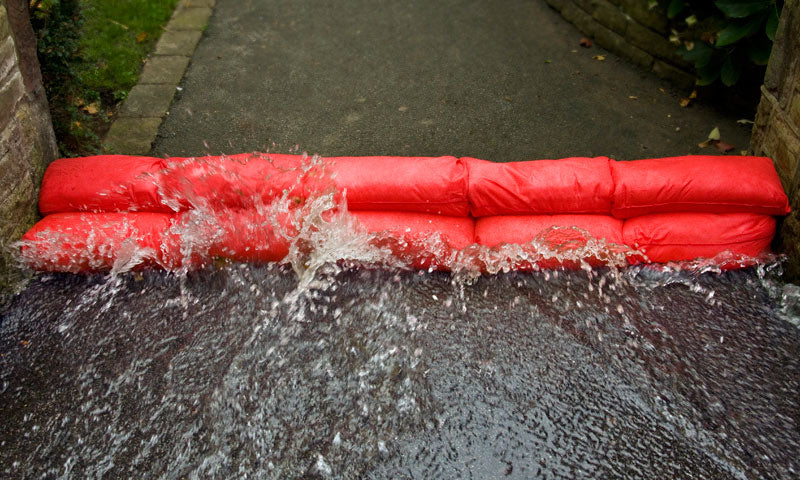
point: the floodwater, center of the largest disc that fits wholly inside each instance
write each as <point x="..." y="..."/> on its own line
<point x="235" y="372"/>
<point x="367" y="369"/>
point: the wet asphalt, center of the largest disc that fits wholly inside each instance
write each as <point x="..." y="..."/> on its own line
<point x="232" y="373"/>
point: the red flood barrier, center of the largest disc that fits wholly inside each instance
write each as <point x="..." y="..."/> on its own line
<point x="78" y="241"/>
<point x="559" y="235"/>
<point x="99" y="211"/>
<point x="103" y="183"/>
<point x="436" y="185"/>
<point x="237" y="181"/>
<point x="570" y="185"/>
<point x="667" y="237"/>
<point x="697" y="184"/>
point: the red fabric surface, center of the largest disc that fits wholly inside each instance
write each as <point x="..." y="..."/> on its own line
<point x="711" y="184"/>
<point x="103" y="183"/>
<point x="666" y="237"/>
<point x="408" y="235"/>
<point x="550" y="242"/>
<point x="491" y="231"/>
<point x="242" y="235"/>
<point x="570" y="185"/>
<point x="236" y="181"/>
<point x="80" y="241"/>
<point x="435" y="185"/>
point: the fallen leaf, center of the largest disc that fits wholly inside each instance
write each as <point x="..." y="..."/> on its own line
<point x="693" y="95"/>
<point x="403" y="108"/>
<point x="744" y="121"/>
<point x="743" y="153"/>
<point x="661" y="89"/>
<point x="599" y="58"/>
<point x="91" y="109"/>
<point x="685" y="102"/>
<point x="507" y="99"/>
<point x="574" y="51"/>
<point x="585" y="42"/>
<point x="723" y="147"/>
<point x="24" y="343"/>
<point x="633" y="97"/>
<point x="141" y="37"/>
<point x="714" y="135"/>
<point x="548" y="61"/>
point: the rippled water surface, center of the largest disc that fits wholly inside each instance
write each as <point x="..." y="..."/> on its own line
<point x="237" y="372"/>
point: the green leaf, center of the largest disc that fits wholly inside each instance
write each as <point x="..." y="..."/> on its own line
<point x="675" y="7"/>
<point x="700" y="55"/>
<point x="772" y="24"/>
<point x="707" y="75"/>
<point x="739" y="29"/>
<point x="759" y="50"/>
<point x="730" y="73"/>
<point x="743" y="8"/>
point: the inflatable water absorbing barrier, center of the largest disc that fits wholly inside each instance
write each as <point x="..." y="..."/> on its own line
<point x="102" y="211"/>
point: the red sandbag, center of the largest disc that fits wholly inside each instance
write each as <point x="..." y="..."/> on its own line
<point x="559" y="239"/>
<point x="103" y="183"/>
<point x="237" y="181"/>
<point x="413" y="236"/>
<point x="492" y="231"/>
<point x="240" y="235"/>
<point x="436" y="185"/>
<point x="697" y="184"/>
<point x="666" y="237"/>
<point x="546" y="187"/>
<point x="79" y="241"/>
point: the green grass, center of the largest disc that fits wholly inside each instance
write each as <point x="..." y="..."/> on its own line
<point x="117" y="36"/>
<point x="91" y="53"/>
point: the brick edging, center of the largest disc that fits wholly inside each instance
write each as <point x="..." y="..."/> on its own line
<point x="148" y="102"/>
<point x="629" y="29"/>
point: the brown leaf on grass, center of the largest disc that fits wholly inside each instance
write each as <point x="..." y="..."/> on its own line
<point x="723" y="147"/>
<point x="585" y="42"/>
<point x="91" y="109"/>
<point x="141" y="37"/>
<point x="599" y="58"/>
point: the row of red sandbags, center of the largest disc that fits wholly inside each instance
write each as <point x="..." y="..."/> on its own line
<point x="83" y="241"/>
<point x="439" y="185"/>
<point x="409" y="198"/>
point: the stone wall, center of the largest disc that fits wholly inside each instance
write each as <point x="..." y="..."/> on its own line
<point x="631" y="29"/>
<point x="27" y="142"/>
<point x="776" y="132"/>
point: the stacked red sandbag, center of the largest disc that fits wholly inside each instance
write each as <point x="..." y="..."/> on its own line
<point x="416" y="206"/>
<point x="683" y="208"/>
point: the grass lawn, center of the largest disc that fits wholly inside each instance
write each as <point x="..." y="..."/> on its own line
<point x="91" y="53"/>
<point x="117" y="35"/>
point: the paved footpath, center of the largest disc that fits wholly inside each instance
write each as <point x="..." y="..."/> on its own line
<point x="497" y="80"/>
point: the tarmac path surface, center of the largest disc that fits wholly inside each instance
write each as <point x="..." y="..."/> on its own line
<point x="496" y="80"/>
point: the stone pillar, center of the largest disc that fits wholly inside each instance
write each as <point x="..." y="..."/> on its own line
<point x="776" y="133"/>
<point x="27" y="142"/>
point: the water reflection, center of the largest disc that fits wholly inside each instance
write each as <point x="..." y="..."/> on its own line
<point x="237" y="372"/>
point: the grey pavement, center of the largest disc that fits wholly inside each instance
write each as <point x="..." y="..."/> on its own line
<point x="498" y="80"/>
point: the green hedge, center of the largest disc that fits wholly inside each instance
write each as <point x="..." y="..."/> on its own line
<point x="724" y="39"/>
